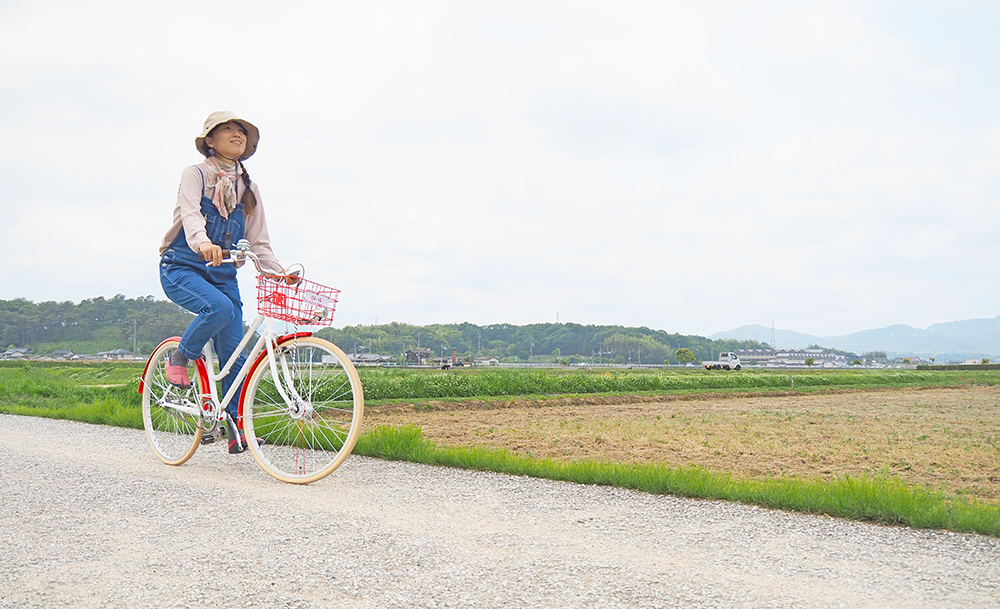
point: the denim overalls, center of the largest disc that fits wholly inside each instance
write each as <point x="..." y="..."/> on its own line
<point x="210" y="292"/>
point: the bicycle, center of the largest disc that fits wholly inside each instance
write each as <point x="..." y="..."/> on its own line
<point x="302" y="395"/>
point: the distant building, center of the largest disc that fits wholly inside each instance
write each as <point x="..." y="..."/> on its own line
<point x="368" y="359"/>
<point x="117" y="354"/>
<point x="755" y="356"/>
<point x="417" y="356"/>
<point x="17" y="353"/>
<point x="791" y="357"/>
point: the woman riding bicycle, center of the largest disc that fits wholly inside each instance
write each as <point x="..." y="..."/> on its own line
<point x="217" y="205"/>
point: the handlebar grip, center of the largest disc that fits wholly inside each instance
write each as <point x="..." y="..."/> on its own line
<point x="225" y="254"/>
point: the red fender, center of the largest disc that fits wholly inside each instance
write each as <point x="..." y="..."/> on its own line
<point x="261" y="358"/>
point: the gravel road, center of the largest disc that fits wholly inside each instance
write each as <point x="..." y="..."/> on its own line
<point x="90" y="518"/>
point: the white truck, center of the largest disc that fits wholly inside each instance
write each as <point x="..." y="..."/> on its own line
<point x="726" y="361"/>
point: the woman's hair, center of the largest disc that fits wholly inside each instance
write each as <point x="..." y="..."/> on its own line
<point x="249" y="200"/>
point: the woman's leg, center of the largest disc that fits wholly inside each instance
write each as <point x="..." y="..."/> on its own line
<point x="227" y="340"/>
<point x="213" y="308"/>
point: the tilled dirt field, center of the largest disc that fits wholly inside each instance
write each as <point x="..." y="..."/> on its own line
<point x="89" y="518"/>
<point x="943" y="438"/>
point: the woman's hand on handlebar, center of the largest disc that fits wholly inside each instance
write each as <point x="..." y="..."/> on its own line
<point x="214" y="255"/>
<point x="211" y="253"/>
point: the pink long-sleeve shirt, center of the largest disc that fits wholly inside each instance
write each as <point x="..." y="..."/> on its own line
<point x="187" y="215"/>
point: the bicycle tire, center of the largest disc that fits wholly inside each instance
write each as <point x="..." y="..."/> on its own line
<point x="305" y="442"/>
<point x="174" y="435"/>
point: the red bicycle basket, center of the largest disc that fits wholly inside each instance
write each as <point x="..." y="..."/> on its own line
<point x="302" y="302"/>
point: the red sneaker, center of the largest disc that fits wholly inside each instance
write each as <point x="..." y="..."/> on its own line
<point x="178" y="376"/>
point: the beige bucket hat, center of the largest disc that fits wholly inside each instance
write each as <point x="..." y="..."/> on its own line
<point x="224" y="116"/>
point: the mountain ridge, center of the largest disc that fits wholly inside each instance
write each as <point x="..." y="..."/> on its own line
<point x="947" y="341"/>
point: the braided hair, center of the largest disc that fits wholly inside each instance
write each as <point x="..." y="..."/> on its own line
<point x="249" y="200"/>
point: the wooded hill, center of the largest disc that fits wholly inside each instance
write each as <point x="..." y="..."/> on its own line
<point x="534" y="342"/>
<point x="100" y="324"/>
<point x="94" y="325"/>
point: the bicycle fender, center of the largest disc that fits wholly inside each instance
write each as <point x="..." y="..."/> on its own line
<point x="261" y="358"/>
<point x="146" y="367"/>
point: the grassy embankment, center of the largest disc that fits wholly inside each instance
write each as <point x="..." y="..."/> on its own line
<point x="684" y="432"/>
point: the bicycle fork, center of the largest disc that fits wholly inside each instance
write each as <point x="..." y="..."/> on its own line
<point x="298" y="408"/>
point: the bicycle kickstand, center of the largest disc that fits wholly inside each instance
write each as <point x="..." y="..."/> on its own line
<point x="234" y="434"/>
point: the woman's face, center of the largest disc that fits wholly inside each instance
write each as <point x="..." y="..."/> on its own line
<point x="228" y="140"/>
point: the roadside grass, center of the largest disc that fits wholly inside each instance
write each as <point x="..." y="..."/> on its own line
<point x="104" y="411"/>
<point x="105" y="394"/>
<point x="108" y="394"/>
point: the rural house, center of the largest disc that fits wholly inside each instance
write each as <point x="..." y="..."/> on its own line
<point x="417" y="356"/>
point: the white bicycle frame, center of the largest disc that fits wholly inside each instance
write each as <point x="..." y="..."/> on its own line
<point x="268" y="340"/>
<point x="297" y="406"/>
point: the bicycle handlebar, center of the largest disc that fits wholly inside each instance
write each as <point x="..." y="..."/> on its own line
<point x="242" y="252"/>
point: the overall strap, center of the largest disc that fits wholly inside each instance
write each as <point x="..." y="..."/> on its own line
<point x="202" y="181"/>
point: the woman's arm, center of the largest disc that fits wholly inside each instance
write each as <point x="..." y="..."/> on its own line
<point x="188" y="209"/>
<point x="187" y="213"/>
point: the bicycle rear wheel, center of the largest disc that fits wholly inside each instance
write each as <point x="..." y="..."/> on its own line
<point x="171" y="416"/>
<point x="306" y="440"/>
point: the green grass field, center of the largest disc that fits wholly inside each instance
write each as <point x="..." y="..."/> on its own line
<point x="405" y="384"/>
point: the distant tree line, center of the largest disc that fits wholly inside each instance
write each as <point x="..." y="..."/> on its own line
<point x="110" y="323"/>
<point x="569" y="341"/>
<point x="93" y="324"/>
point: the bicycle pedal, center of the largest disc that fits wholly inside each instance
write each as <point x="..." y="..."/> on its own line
<point x="213" y="436"/>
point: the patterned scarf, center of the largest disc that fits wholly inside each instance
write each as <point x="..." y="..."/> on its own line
<point x="223" y="179"/>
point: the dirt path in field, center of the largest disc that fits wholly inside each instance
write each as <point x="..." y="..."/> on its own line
<point x="943" y="438"/>
<point x="89" y="518"/>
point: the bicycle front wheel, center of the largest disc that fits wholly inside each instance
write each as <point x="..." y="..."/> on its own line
<point x="171" y="416"/>
<point x="309" y="436"/>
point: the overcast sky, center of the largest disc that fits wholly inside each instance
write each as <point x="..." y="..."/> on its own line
<point x="826" y="166"/>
